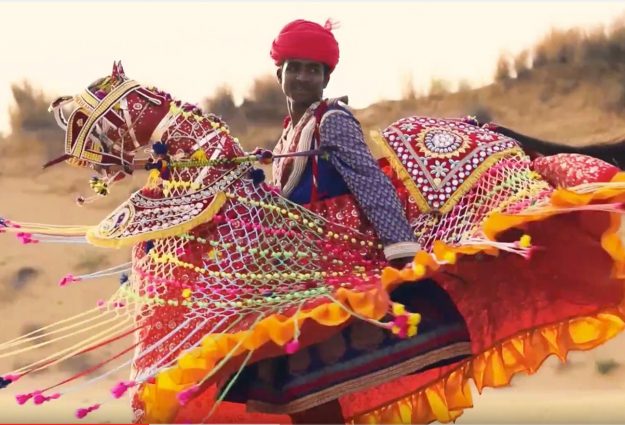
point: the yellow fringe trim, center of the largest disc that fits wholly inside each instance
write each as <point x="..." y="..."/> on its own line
<point x="414" y="191"/>
<point x="400" y="170"/>
<point x="94" y="237"/>
<point x="159" y="398"/>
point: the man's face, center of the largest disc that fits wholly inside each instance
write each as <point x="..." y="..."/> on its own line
<point x="303" y="81"/>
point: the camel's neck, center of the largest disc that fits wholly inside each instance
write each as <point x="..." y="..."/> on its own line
<point x="186" y="131"/>
<point x="190" y="135"/>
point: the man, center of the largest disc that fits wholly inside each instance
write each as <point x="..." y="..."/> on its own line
<point x="306" y="54"/>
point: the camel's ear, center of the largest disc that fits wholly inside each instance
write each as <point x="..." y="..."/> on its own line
<point x="118" y="74"/>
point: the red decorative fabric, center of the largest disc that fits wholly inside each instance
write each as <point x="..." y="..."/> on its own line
<point x="305" y="40"/>
<point x="441" y="156"/>
<point x="343" y="210"/>
<point x="566" y="170"/>
<point x="507" y="295"/>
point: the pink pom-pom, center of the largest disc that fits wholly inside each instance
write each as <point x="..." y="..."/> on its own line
<point x="11" y="378"/>
<point x="67" y="279"/>
<point x="118" y="390"/>
<point x="292" y="347"/>
<point x="121" y="387"/>
<point x="401" y="320"/>
<point x="26" y="238"/>
<point x="82" y="412"/>
<point x="40" y="398"/>
<point x="23" y="398"/>
<point x="185" y="396"/>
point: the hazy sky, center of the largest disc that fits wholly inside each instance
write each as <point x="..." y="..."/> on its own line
<point x="190" y="48"/>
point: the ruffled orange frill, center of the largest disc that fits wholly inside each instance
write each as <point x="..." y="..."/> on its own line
<point x="448" y="391"/>
<point x="444" y="400"/>
<point x="270" y="334"/>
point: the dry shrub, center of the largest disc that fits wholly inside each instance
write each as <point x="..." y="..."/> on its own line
<point x="29" y="118"/>
<point x="266" y="101"/>
<point x="439" y="87"/>
<point x="503" y="69"/>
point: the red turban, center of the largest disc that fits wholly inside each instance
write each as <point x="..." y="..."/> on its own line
<point x="306" y="40"/>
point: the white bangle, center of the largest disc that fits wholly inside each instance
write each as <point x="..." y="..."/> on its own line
<point x="401" y="250"/>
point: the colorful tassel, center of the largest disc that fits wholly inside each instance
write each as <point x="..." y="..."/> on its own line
<point x="23" y="398"/>
<point x="67" y="279"/>
<point x="257" y="175"/>
<point x="160" y="148"/>
<point x="40" y="398"/>
<point x="185" y="396"/>
<point x="121" y="387"/>
<point x="292" y="347"/>
<point x="82" y="412"/>
<point x="26" y="238"/>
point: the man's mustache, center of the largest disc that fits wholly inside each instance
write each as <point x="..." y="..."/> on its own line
<point x="302" y="87"/>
